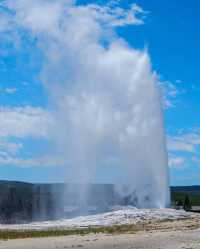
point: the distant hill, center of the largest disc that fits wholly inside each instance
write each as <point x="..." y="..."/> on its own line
<point x="20" y="201"/>
<point x="187" y="189"/>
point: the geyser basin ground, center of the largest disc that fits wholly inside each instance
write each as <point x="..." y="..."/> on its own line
<point x="121" y="216"/>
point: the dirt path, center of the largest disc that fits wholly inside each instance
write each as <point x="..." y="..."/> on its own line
<point x="143" y="240"/>
<point x="183" y="234"/>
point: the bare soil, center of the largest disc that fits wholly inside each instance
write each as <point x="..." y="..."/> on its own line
<point x="181" y="234"/>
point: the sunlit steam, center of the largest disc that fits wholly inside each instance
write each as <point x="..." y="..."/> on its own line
<point x="104" y="96"/>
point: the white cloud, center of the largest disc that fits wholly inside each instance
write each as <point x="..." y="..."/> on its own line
<point x="30" y="14"/>
<point x="8" y="90"/>
<point x="175" y="162"/>
<point x="25" y="121"/>
<point x="192" y="137"/>
<point x="185" y="142"/>
<point x="10" y="147"/>
<point x="20" y="123"/>
<point x="116" y="16"/>
<point x="169" y="94"/>
<point x="177" y="144"/>
<point x="45" y="161"/>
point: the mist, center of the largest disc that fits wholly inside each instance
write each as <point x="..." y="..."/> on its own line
<point x="103" y="95"/>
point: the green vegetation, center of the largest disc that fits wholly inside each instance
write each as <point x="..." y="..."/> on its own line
<point x="187" y="203"/>
<point x="19" y="234"/>
<point x="179" y="197"/>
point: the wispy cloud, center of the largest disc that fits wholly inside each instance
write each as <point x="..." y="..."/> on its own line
<point x="186" y="143"/>
<point x="25" y="121"/>
<point x="19" y="123"/>
<point x="8" y="90"/>
<point x="45" y="161"/>
<point x="175" y="161"/>
<point x="179" y="144"/>
<point x="9" y="147"/>
<point x="31" y="13"/>
<point x="117" y="16"/>
<point x="171" y="93"/>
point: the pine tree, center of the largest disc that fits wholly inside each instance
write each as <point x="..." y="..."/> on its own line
<point x="187" y="204"/>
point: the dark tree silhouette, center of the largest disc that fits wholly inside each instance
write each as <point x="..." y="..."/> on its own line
<point x="187" y="204"/>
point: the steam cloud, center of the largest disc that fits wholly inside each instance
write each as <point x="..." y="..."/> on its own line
<point x="103" y="92"/>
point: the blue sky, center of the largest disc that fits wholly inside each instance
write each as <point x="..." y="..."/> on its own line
<point x="172" y="36"/>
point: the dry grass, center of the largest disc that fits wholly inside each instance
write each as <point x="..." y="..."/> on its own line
<point x="19" y="234"/>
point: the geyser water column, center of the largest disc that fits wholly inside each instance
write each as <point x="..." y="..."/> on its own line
<point x="104" y="94"/>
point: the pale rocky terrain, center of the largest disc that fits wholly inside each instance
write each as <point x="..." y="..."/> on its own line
<point x="118" y="216"/>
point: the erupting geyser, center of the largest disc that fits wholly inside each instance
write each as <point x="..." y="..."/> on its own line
<point x="104" y="95"/>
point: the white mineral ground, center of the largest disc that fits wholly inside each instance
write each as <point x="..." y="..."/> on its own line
<point x="119" y="216"/>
